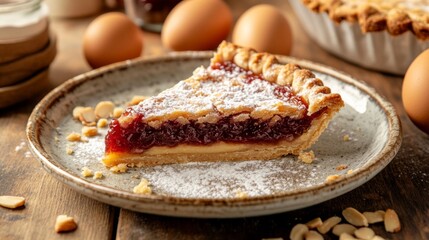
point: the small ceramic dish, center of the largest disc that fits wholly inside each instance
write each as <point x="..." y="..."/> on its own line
<point x="213" y="189"/>
<point x="22" y="68"/>
<point x="29" y="88"/>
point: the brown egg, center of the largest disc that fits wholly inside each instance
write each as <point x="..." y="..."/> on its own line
<point x="197" y="25"/>
<point x="415" y="91"/>
<point x="264" y="28"/>
<point x="110" y="38"/>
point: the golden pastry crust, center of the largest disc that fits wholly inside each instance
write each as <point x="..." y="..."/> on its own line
<point x="395" y="16"/>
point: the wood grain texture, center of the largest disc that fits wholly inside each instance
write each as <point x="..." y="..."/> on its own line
<point x="403" y="185"/>
<point x="22" y="175"/>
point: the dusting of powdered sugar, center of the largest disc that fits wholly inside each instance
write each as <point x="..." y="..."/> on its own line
<point x="220" y="180"/>
<point x="217" y="90"/>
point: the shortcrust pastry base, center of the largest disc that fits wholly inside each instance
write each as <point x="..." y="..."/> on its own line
<point x="222" y="151"/>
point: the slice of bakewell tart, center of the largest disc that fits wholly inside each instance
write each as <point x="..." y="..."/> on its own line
<point x="244" y="106"/>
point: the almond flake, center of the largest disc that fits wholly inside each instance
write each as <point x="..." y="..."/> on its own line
<point x="313" y="235"/>
<point x="11" y="201"/>
<point x="346" y="236"/>
<point x="343" y="228"/>
<point x="374" y="217"/>
<point x="76" y="112"/>
<point x="65" y="223"/>
<point x="317" y="222"/>
<point x="104" y="109"/>
<point x="328" y="224"/>
<point x="391" y="221"/>
<point x="376" y="237"/>
<point x="87" y="115"/>
<point x="354" y="217"/>
<point x="298" y="232"/>
<point x="364" y="233"/>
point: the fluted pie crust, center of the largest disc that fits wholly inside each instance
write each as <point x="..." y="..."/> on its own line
<point x="395" y="16"/>
<point x="241" y="86"/>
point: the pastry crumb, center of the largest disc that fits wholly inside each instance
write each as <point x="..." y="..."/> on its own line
<point x="74" y="137"/>
<point x="341" y="167"/>
<point x="89" y="131"/>
<point x="136" y="100"/>
<point x="143" y="187"/>
<point x="120" y="168"/>
<point x="346" y="138"/>
<point x="117" y="112"/>
<point x="135" y="176"/>
<point x="332" y="178"/>
<point x="98" y="175"/>
<point x="102" y="123"/>
<point x="307" y="157"/>
<point x="241" y="194"/>
<point x="65" y="223"/>
<point x="69" y="151"/>
<point x="86" y="172"/>
<point x="350" y="171"/>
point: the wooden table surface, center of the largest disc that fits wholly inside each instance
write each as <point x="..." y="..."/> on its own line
<point x="403" y="185"/>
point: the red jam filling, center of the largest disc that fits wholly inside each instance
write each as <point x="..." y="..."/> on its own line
<point x="139" y="136"/>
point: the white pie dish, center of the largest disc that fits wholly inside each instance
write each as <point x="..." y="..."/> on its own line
<point x="379" y="51"/>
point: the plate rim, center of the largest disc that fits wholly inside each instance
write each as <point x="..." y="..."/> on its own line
<point x="380" y="161"/>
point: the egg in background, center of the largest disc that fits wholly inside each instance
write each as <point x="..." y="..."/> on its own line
<point x="415" y="91"/>
<point x="197" y="25"/>
<point x="110" y="38"/>
<point x="264" y="28"/>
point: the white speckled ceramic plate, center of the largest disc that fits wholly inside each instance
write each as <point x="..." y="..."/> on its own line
<point x="210" y="189"/>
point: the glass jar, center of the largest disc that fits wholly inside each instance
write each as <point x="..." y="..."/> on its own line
<point x="149" y="14"/>
<point x="22" y="19"/>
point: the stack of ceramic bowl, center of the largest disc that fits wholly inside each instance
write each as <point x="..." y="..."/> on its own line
<point x="27" y="48"/>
